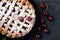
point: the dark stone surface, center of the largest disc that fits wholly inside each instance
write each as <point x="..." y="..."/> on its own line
<point x="54" y="10"/>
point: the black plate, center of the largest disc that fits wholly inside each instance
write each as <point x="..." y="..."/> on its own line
<point x="54" y="27"/>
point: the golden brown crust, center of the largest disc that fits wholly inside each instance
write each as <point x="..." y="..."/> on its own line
<point x="4" y="0"/>
<point x="4" y="31"/>
<point x="24" y="1"/>
<point x="27" y="3"/>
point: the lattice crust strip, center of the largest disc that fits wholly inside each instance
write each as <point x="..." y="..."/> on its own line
<point x="17" y="18"/>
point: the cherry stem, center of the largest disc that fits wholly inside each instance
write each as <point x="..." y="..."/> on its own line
<point x="46" y="7"/>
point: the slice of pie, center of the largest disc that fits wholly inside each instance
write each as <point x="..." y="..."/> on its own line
<point x="17" y="18"/>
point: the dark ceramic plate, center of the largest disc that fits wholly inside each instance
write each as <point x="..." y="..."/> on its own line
<point x="54" y="27"/>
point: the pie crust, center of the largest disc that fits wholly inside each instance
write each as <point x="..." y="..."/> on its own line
<point x="17" y="18"/>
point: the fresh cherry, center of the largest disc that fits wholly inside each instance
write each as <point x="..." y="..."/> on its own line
<point x="42" y="5"/>
<point x="44" y="25"/>
<point x="46" y="30"/>
<point x="42" y="20"/>
<point x="38" y="36"/>
<point x="45" y="13"/>
<point x="38" y="28"/>
<point x="50" y="18"/>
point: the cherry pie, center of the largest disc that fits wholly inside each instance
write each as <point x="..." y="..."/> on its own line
<point x="17" y="18"/>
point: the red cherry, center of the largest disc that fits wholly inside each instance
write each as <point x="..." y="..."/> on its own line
<point x="50" y="18"/>
<point x="42" y="5"/>
<point x="28" y="18"/>
<point x="44" y="25"/>
<point x="38" y="28"/>
<point x="46" y="30"/>
<point x="42" y="21"/>
<point x="20" y="18"/>
<point x="45" y="13"/>
<point x="38" y="36"/>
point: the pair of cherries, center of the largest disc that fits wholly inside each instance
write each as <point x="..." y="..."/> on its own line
<point x="42" y="21"/>
<point x="21" y="18"/>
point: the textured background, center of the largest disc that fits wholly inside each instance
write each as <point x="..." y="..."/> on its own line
<point x="54" y="10"/>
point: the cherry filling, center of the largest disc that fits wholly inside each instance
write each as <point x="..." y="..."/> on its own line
<point x="10" y="25"/>
<point x="16" y="5"/>
<point x="20" y="32"/>
<point x="13" y="21"/>
<point x="6" y="11"/>
<point x="13" y="10"/>
<point x="10" y="14"/>
<point x="23" y="3"/>
<point x="8" y="7"/>
<point x="9" y="29"/>
<point x="18" y="24"/>
<point x="20" y="19"/>
<point x="24" y="27"/>
<point x="3" y="26"/>
<point x="3" y="4"/>
<point x="28" y="18"/>
<point x="18" y="12"/>
<point x="26" y="23"/>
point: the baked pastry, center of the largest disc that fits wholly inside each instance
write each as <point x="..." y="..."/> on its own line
<point x="17" y="18"/>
